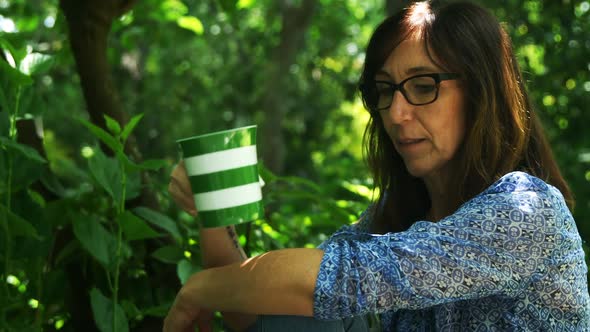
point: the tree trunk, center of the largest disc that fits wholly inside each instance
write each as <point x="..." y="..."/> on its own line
<point x="89" y="23"/>
<point x="295" y="22"/>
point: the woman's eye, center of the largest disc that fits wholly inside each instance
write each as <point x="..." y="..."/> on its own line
<point x="424" y="88"/>
<point x="383" y="89"/>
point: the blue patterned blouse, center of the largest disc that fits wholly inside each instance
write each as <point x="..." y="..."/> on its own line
<point x="509" y="259"/>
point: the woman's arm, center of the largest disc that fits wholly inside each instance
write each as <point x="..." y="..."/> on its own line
<point x="277" y="282"/>
<point x="219" y="246"/>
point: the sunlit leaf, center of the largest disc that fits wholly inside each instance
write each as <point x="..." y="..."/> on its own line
<point x="36" y="63"/>
<point x="360" y="190"/>
<point x="14" y="76"/>
<point x="102" y="308"/>
<point x="191" y="23"/>
<point x="244" y="4"/>
<point x="10" y="53"/>
<point x="173" y="9"/>
<point x="27" y="24"/>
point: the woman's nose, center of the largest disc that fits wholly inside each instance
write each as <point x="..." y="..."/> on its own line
<point x="400" y="109"/>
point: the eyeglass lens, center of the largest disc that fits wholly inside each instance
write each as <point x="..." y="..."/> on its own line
<point x="417" y="90"/>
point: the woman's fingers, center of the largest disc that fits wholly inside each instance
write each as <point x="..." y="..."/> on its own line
<point x="180" y="189"/>
<point x="204" y="322"/>
<point x="180" y="180"/>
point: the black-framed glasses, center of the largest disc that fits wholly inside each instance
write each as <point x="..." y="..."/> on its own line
<point x="418" y="90"/>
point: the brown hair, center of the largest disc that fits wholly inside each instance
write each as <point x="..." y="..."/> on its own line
<point x="503" y="132"/>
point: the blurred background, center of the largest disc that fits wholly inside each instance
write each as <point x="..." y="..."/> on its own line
<point x="90" y="239"/>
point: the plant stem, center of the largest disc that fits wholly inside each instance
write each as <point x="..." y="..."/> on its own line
<point x="121" y="210"/>
<point x="40" y="310"/>
<point x="8" y="244"/>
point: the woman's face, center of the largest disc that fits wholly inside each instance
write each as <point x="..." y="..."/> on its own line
<point x="427" y="136"/>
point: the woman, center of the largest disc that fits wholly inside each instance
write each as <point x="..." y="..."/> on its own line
<point x="472" y="229"/>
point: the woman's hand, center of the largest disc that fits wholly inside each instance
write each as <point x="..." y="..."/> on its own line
<point x="186" y="312"/>
<point x="186" y="321"/>
<point x="280" y="282"/>
<point x="180" y="189"/>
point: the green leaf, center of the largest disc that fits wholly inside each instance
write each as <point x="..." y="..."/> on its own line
<point x="102" y="308"/>
<point x="265" y="173"/>
<point x="93" y="237"/>
<point x="130" y="126"/>
<point x="135" y="228"/>
<point x="35" y="63"/>
<point x="37" y="198"/>
<point x="112" y="125"/>
<point x="168" y="254"/>
<point x="172" y="9"/>
<point x="16" y="224"/>
<point x="9" y="52"/>
<point x="158" y="311"/>
<point x="25" y="150"/>
<point x="159" y="220"/>
<point x="67" y="253"/>
<point x="27" y="23"/>
<point x="14" y="76"/>
<point x="228" y="6"/>
<point x="245" y="4"/>
<point x="131" y="309"/>
<point x="101" y="134"/>
<point x="107" y="172"/>
<point x="185" y="269"/>
<point x="191" y="23"/>
<point x="153" y="164"/>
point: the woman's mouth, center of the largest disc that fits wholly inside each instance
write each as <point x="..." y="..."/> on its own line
<point x="409" y="144"/>
<point x="410" y="141"/>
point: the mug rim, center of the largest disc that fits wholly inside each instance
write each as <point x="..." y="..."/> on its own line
<point x="221" y="132"/>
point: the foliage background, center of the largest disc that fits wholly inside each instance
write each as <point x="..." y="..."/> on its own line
<point x="74" y="251"/>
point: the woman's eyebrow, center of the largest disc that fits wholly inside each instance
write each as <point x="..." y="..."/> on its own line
<point x="411" y="71"/>
<point x="382" y="72"/>
<point x="420" y="70"/>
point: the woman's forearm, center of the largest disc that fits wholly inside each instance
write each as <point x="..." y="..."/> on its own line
<point x="219" y="247"/>
<point x="278" y="282"/>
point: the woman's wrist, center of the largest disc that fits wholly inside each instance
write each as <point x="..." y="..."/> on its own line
<point x="220" y="246"/>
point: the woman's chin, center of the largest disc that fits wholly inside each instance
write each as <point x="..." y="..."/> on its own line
<point x="419" y="171"/>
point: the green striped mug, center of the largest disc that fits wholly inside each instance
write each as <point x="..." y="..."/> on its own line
<point x="223" y="172"/>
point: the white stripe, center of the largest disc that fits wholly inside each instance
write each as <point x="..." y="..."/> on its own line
<point x="230" y="197"/>
<point x="221" y="160"/>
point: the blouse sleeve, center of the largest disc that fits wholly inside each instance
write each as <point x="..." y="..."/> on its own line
<point x="494" y="244"/>
<point x="361" y="226"/>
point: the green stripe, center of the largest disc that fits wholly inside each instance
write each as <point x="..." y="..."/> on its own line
<point x="233" y="215"/>
<point x="218" y="141"/>
<point x="224" y="179"/>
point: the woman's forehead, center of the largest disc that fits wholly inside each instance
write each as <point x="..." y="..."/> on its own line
<point x="408" y="58"/>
